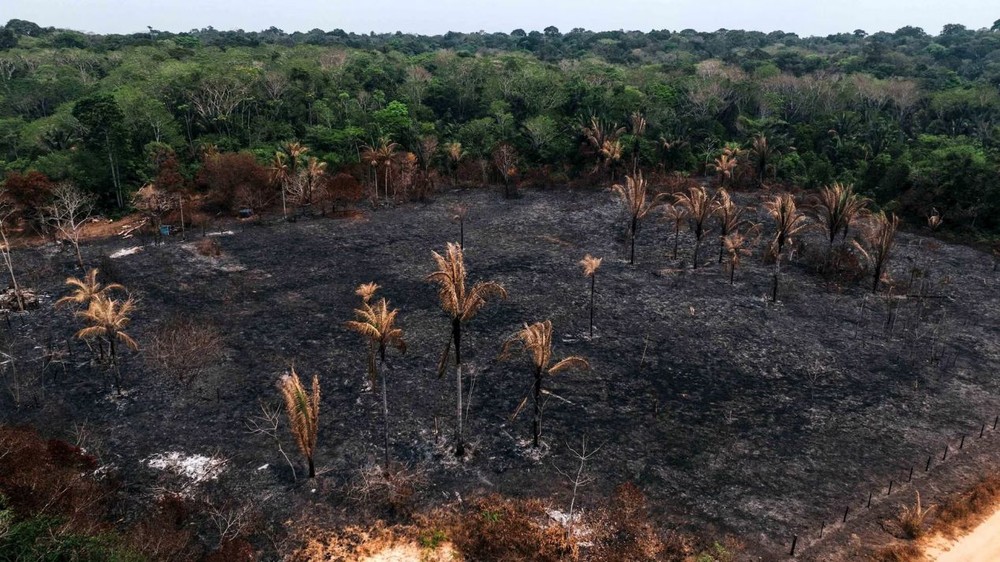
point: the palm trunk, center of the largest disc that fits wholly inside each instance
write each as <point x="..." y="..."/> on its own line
<point x="722" y="246"/>
<point x="79" y="256"/>
<point x="461" y="234"/>
<point x="732" y="273"/>
<point x="456" y="332"/>
<point x="777" y="272"/>
<point x="677" y="238"/>
<point x="697" y="246"/>
<point x="312" y="467"/>
<point x="632" y="236"/>
<point x="536" y="424"/>
<point x="385" y="407"/>
<point x="592" y="278"/>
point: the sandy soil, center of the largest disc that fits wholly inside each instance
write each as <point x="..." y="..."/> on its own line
<point x="981" y="545"/>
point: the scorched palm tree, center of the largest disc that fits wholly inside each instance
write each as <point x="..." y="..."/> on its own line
<point x="590" y="266"/>
<point x="377" y="323"/>
<point x="536" y="340"/>
<point x="635" y="201"/>
<point x="302" y="409"/>
<point x="461" y="304"/>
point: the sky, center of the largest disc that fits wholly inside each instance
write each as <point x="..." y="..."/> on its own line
<point x="804" y="17"/>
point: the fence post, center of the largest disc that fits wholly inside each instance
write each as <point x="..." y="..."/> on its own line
<point x="890" y="489"/>
<point x="795" y="540"/>
<point x="846" y="509"/>
<point x="945" y="456"/>
<point x="982" y="430"/>
<point x="869" y="501"/>
<point x="910" y="477"/>
<point x="962" y="443"/>
<point x="928" y="463"/>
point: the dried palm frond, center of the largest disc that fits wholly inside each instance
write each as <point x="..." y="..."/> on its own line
<point x="634" y="199"/>
<point x="878" y="238"/>
<point x="590" y="265"/>
<point x="788" y="220"/>
<point x="536" y="340"/>
<point x="86" y="289"/>
<point x="366" y="291"/>
<point x="835" y="207"/>
<point x="729" y="215"/>
<point x="302" y="409"/>
<point x="934" y="219"/>
<point x="108" y="318"/>
<point x="451" y="278"/>
<point x="698" y="207"/>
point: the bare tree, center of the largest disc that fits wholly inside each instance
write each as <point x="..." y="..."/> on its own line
<point x="154" y="204"/>
<point x="578" y="479"/>
<point x="5" y="252"/>
<point x="69" y="211"/>
<point x="266" y="423"/>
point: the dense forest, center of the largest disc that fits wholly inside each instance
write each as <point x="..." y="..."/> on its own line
<point x="911" y="119"/>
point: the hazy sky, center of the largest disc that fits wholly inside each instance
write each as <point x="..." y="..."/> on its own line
<point x="805" y="17"/>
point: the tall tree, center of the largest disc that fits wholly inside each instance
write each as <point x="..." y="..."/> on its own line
<point x="461" y="304"/>
<point x="698" y="207"/>
<point x="635" y="201"/>
<point x="590" y="266"/>
<point x="788" y="221"/>
<point x="302" y="409"/>
<point x="877" y="242"/>
<point x="377" y="323"/>
<point x="536" y="340"/>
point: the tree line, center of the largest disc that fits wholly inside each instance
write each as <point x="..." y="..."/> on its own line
<point x="908" y="118"/>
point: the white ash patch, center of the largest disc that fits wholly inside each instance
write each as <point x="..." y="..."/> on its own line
<point x="221" y="233"/>
<point x="195" y="468"/>
<point x="126" y="252"/>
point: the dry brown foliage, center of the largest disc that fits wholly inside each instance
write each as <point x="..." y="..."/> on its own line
<point x="698" y="208"/>
<point x="86" y="289"/>
<point x="878" y="238"/>
<point x="634" y="198"/>
<point x="302" y="409"/>
<point x="911" y="518"/>
<point x="836" y="207"/>
<point x="501" y="529"/>
<point x="184" y="347"/>
<point x="208" y="247"/>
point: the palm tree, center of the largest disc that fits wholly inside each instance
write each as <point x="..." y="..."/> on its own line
<point x="536" y="339"/>
<point x="302" y="409"/>
<point x="604" y="140"/>
<point x="455" y="153"/>
<point x="461" y="305"/>
<point x="934" y="220"/>
<point x="788" y="222"/>
<point x="877" y="242"/>
<point x="459" y="213"/>
<point x="108" y="318"/>
<point x="698" y="207"/>
<point x="86" y="289"/>
<point x="835" y="207"/>
<point x="378" y="324"/>
<point x="675" y="214"/>
<point x="734" y="244"/>
<point x="634" y="200"/>
<point x="762" y="155"/>
<point x="279" y="175"/>
<point x="638" y="126"/>
<point x="730" y="217"/>
<point x="590" y="266"/>
<point x="724" y="165"/>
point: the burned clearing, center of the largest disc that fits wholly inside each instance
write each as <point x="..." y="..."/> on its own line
<point x="733" y="414"/>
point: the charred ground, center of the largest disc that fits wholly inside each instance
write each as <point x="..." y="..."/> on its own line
<point x="735" y="415"/>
